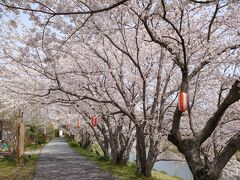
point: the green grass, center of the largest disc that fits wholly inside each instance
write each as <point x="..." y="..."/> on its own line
<point x="28" y="170"/>
<point x="25" y="170"/>
<point x="96" y="147"/>
<point x="31" y="147"/>
<point x="7" y="168"/>
<point x="124" y="172"/>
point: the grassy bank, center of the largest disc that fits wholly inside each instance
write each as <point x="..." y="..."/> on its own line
<point x="31" y="147"/>
<point x="25" y="171"/>
<point x="125" y="172"/>
<point x="7" y="168"/>
<point x="26" y="168"/>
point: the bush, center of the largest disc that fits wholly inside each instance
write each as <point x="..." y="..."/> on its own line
<point x="73" y="144"/>
<point x="41" y="139"/>
<point x="56" y="132"/>
<point x="34" y="134"/>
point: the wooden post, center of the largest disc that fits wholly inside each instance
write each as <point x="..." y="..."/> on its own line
<point x="1" y="129"/>
<point x="20" y="142"/>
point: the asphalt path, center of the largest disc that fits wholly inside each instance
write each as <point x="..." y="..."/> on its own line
<point x="59" y="162"/>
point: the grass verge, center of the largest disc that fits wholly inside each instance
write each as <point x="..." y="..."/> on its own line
<point x="7" y="168"/>
<point x="31" y="147"/>
<point x="26" y="168"/>
<point x="124" y="172"/>
<point x="25" y="171"/>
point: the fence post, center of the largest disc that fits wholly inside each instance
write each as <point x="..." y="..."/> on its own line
<point x="20" y="141"/>
<point x="1" y="129"/>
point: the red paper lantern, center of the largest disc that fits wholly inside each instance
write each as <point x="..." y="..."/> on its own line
<point x="94" y="121"/>
<point x="78" y="124"/>
<point x="182" y="101"/>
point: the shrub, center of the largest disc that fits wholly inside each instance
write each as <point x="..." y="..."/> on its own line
<point x="73" y="144"/>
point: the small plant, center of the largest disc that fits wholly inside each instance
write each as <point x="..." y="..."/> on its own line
<point x="73" y="144"/>
<point x="24" y="159"/>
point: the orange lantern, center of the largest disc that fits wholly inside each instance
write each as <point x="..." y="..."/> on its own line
<point x="78" y="124"/>
<point x="94" y="121"/>
<point x="182" y="101"/>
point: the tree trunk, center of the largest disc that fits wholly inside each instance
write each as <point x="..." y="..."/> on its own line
<point x="104" y="146"/>
<point x="120" y="151"/>
<point x="1" y="129"/>
<point x="120" y="158"/>
<point x="141" y="151"/>
<point x="149" y="166"/>
<point x="151" y="159"/>
<point x="201" y="170"/>
<point x="211" y="176"/>
<point x="105" y="153"/>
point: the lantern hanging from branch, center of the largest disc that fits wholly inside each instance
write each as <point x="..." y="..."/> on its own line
<point x="78" y="124"/>
<point x="182" y="101"/>
<point x="94" y="121"/>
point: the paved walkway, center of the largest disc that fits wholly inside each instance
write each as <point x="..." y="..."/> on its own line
<point x="59" y="162"/>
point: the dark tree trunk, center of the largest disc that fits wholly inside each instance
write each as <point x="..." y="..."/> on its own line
<point x="85" y="144"/>
<point x="201" y="170"/>
<point x="120" y="144"/>
<point x="85" y="140"/>
<point x="105" y="152"/>
<point x="120" y="149"/>
<point x="151" y="159"/>
<point x="104" y="145"/>
<point x="120" y="158"/>
<point x="206" y="170"/>
<point x="145" y="161"/>
<point x="149" y="165"/>
<point x="141" y="151"/>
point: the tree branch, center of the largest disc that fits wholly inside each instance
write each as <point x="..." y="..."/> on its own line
<point x="232" y="97"/>
<point x="202" y="2"/>
<point x="212" y="20"/>
<point x="3" y="3"/>
<point x="229" y="150"/>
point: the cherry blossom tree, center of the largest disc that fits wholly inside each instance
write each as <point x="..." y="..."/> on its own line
<point x="183" y="51"/>
<point x="129" y="60"/>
